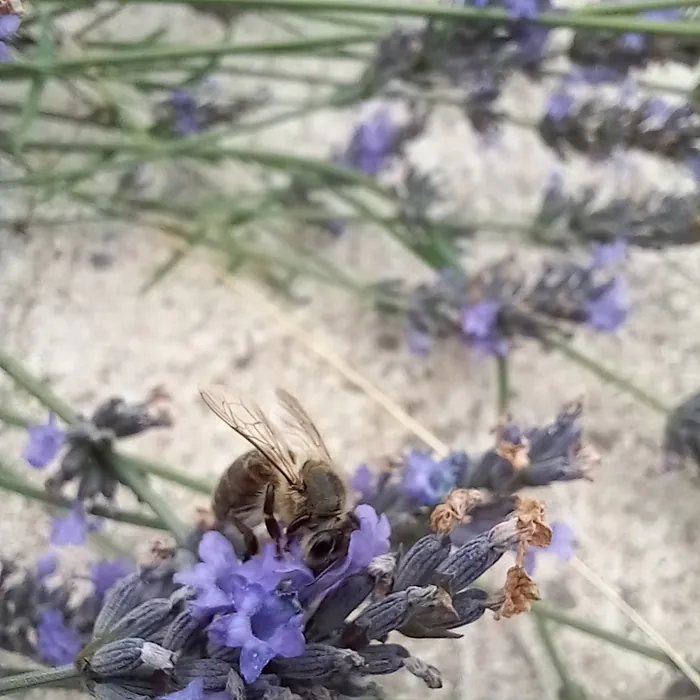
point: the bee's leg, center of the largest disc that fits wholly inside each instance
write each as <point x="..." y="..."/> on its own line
<point x="273" y="527"/>
<point x="252" y="545"/>
<point x="296" y="524"/>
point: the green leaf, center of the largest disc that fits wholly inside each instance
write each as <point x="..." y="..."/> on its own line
<point x="32" y="104"/>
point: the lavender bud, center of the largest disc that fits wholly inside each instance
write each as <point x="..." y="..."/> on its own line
<point x="427" y="673"/>
<point x="392" y="612"/>
<point x="471" y="560"/>
<point x="469" y="605"/>
<point x="235" y="686"/>
<point x="337" y="605"/>
<point x="317" y="661"/>
<point x="119" y="658"/>
<point x="380" y="659"/>
<point x="146" y="619"/>
<point x="156" y="657"/>
<point x="419" y="565"/>
<point x="355" y="687"/>
<point x="122" y="597"/>
<point x="214" y="673"/>
<point x="183" y="630"/>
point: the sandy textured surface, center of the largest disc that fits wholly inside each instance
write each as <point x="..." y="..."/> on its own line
<point x="90" y="332"/>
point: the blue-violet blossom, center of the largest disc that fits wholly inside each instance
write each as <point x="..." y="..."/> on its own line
<point x="9" y="24"/>
<point x="105" y="573"/>
<point x="427" y="480"/>
<point x="45" y="442"/>
<point x="73" y="528"/>
<point x="562" y="546"/>
<point x="609" y="309"/>
<point x="479" y="327"/>
<point x="371" y="145"/>
<point x="58" y="644"/>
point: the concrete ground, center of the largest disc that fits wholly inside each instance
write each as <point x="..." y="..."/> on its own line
<point x="91" y="331"/>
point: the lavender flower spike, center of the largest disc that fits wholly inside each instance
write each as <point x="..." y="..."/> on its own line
<point x="562" y="546"/>
<point x="45" y="441"/>
<point x="9" y="24"/>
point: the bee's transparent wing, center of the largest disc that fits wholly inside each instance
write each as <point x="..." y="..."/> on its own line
<point x="305" y="429"/>
<point x="254" y="427"/>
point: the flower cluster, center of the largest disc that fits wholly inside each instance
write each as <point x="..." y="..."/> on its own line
<point x="266" y="628"/>
<point x="89" y="446"/>
<point x="405" y="490"/>
<point x="191" y="111"/>
<point x="39" y="616"/>
<point x="499" y="303"/>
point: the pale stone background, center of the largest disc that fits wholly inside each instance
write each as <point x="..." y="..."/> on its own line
<point x="91" y="332"/>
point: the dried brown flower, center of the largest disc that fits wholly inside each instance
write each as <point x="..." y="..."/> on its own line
<point x="517" y="453"/>
<point x="519" y="593"/>
<point x="455" y="509"/>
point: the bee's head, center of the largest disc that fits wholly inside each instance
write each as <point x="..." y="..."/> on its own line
<point x="325" y="547"/>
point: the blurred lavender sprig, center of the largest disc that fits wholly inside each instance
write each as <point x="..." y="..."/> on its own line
<point x="89" y="446"/>
<point x="501" y="302"/>
<point x="682" y="434"/>
<point x="649" y="220"/>
<point x="406" y="489"/>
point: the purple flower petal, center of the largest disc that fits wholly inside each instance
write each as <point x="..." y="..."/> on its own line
<point x="479" y="326"/>
<point x="609" y="310"/>
<point x="608" y="253"/>
<point x="104" y="574"/>
<point x="254" y="657"/>
<point x="194" y="691"/>
<point x="45" y="442"/>
<point x="46" y="565"/>
<point x="419" y="343"/>
<point x="58" y="644"/>
<point x="71" y="530"/>
<point x="561" y="546"/>
<point x="9" y="24"/>
<point x="363" y="481"/>
<point x="288" y="640"/>
<point x="425" y="479"/>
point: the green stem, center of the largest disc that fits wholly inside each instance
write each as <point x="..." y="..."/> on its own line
<point x="572" y="19"/>
<point x="36" y="679"/>
<point x="567" y="684"/>
<point x="544" y="611"/>
<point x="130" y="477"/>
<point x="10" y="481"/>
<point x="167" y="54"/>
<point x="609" y="376"/>
<point x="503" y="388"/>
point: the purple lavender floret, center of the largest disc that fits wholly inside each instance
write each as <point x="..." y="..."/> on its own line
<point x="46" y="565"/>
<point x="73" y="528"/>
<point x="9" y="24"/>
<point x="605" y="254"/>
<point x="562" y="546"/>
<point x="45" y="442"/>
<point x="363" y="481"/>
<point x="195" y="691"/>
<point x="609" y="309"/>
<point x="372" y="143"/>
<point x="479" y="324"/>
<point x="186" y="116"/>
<point x="427" y="480"/>
<point x="58" y="644"/>
<point x="106" y="572"/>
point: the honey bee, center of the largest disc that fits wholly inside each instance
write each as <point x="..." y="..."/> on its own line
<point x="301" y="488"/>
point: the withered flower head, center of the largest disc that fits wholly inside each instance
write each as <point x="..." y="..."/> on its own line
<point x="512" y="444"/>
<point x="532" y="528"/>
<point x="455" y="509"/>
<point x="519" y="593"/>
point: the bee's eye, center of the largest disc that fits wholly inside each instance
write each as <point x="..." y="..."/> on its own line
<point x="323" y="547"/>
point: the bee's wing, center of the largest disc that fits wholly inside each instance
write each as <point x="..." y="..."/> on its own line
<point x="305" y="428"/>
<point x="254" y="427"/>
